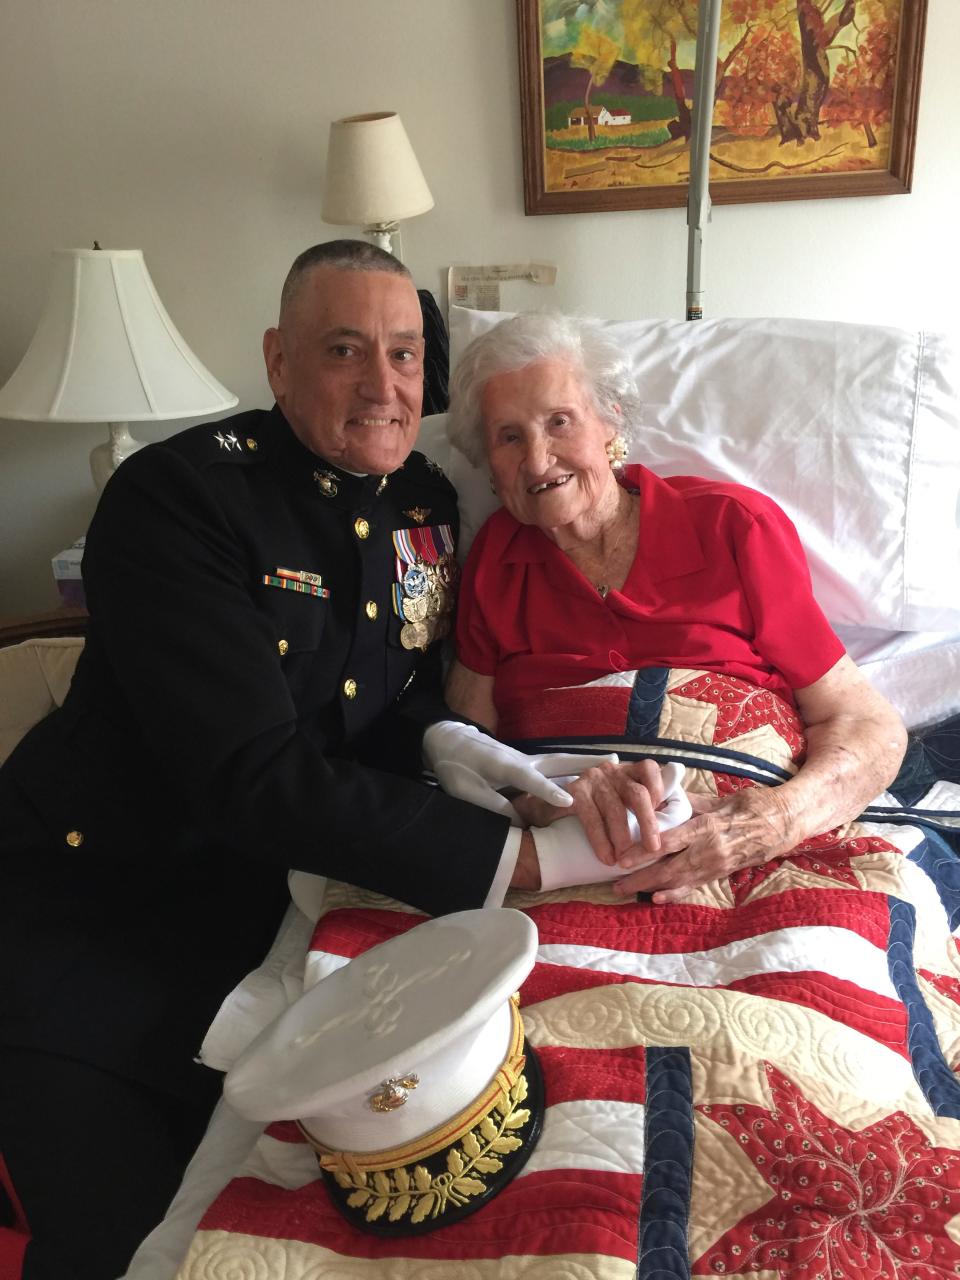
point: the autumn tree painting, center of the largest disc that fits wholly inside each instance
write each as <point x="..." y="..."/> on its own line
<point x="805" y="88"/>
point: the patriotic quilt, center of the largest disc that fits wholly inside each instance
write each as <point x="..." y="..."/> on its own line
<point x="758" y="1082"/>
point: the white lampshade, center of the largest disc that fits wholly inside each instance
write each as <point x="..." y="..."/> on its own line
<point x="372" y="178"/>
<point x="106" y="351"/>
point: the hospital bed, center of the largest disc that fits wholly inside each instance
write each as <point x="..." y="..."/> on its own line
<point x="820" y="1008"/>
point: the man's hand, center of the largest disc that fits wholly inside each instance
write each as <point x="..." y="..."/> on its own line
<point x="474" y="767"/>
<point x="725" y="834"/>
<point x="602" y="797"/>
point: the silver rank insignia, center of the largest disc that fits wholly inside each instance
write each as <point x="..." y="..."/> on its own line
<point x="228" y="441"/>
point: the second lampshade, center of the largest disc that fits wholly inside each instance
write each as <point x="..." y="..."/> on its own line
<point x="373" y="179"/>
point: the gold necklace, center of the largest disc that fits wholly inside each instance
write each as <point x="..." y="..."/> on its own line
<point x="603" y="588"/>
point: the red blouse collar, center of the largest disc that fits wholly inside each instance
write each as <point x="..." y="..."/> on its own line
<point x="668" y="540"/>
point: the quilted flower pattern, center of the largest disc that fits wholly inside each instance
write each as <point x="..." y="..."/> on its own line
<point x="743" y="707"/>
<point x="843" y="1202"/>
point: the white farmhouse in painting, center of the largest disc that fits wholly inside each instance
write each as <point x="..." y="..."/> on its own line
<point x="601" y="115"/>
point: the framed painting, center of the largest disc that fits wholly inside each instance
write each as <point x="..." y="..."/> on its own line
<point x="815" y="98"/>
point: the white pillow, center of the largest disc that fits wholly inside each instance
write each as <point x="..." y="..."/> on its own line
<point x="432" y="440"/>
<point x="854" y="430"/>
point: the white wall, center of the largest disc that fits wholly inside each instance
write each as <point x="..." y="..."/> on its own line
<point x="196" y="131"/>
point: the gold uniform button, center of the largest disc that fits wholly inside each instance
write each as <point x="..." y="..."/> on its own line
<point x="284" y="648"/>
<point x="371" y="610"/>
<point x="74" y="839"/>
<point x="252" y="444"/>
<point x="350" y="688"/>
<point x="361" y="527"/>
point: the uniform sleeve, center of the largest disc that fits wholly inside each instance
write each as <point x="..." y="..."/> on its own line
<point x="477" y="648"/>
<point x="196" y="664"/>
<point x="791" y="631"/>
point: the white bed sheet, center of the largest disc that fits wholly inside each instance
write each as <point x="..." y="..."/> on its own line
<point x="918" y="671"/>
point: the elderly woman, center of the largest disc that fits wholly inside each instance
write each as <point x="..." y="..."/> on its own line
<point x="591" y="568"/>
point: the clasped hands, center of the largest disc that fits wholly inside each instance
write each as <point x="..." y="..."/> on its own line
<point x="645" y="842"/>
<point x="620" y="810"/>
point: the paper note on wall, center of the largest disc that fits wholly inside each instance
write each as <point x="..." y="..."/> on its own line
<point x="479" y="287"/>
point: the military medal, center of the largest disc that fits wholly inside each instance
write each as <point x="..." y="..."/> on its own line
<point x="415" y="581"/>
<point x="426" y="575"/>
<point x="415" y="635"/>
<point x="415" y="608"/>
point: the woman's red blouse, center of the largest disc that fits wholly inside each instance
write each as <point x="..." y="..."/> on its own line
<point x="719" y="582"/>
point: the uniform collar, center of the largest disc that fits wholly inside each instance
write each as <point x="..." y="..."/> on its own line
<point x="340" y="487"/>
<point x="668" y="542"/>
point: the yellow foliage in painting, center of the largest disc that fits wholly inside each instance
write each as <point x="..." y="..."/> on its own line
<point x="649" y="27"/>
<point x="595" y="52"/>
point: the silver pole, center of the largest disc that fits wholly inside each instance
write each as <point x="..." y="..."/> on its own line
<point x="698" y="200"/>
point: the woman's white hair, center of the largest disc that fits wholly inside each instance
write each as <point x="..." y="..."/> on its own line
<point x="598" y="360"/>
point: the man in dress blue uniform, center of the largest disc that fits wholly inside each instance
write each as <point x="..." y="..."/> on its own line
<point x="266" y="597"/>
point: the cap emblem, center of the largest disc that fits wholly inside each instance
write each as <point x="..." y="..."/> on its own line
<point x="433" y="1182"/>
<point x="393" y="1092"/>
<point x="326" y="483"/>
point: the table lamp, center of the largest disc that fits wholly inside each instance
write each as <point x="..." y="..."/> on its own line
<point x="373" y="179"/>
<point x="106" y="351"/>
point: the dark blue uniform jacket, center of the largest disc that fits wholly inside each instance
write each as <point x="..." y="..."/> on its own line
<point x="218" y="732"/>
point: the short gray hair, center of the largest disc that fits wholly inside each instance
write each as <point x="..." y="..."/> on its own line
<point x="600" y="361"/>
<point x="341" y="255"/>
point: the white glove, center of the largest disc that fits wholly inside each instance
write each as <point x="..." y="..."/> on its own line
<point x="473" y="766"/>
<point x="566" y="857"/>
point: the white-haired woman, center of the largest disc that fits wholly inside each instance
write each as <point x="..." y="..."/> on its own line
<point x="592" y="568"/>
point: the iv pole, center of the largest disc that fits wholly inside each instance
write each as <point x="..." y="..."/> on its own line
<point x="698" y="200"/>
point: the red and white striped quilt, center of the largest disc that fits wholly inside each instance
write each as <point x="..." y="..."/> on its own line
<point x="758" y="1082"/>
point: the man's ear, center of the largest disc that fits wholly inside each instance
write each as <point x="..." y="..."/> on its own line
<point x="275" y="360"/>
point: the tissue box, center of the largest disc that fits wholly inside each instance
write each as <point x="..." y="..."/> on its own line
<point x="66" y="571"/>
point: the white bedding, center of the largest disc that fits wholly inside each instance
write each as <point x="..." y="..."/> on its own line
<point x="918" y="671"/>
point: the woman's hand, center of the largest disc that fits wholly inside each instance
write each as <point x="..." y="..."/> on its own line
<point x="725" y="834"/>
<point x="602" y="797"/>
<point x="855" y="742"/>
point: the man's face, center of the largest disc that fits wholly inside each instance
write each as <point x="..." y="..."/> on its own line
<point x="346" y="367"/>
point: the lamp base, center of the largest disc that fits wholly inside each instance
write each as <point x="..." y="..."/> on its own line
<point x="105" y="458"/>
<point x="386" y="236"/>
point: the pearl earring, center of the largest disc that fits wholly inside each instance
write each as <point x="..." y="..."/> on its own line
<point x="616" y="450"/>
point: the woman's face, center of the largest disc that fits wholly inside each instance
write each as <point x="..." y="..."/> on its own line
<point x="546" y="445"/>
